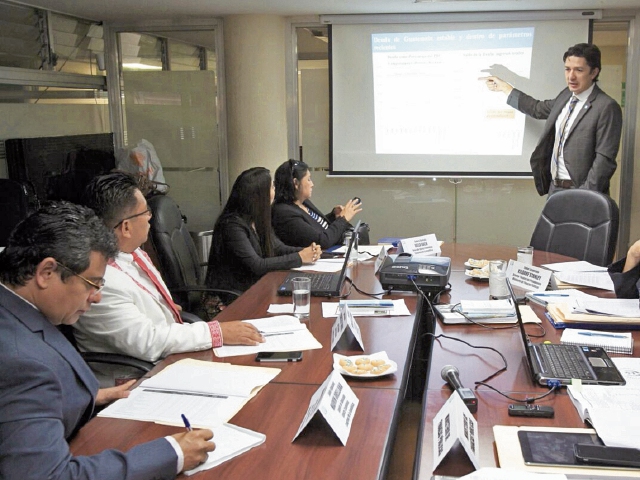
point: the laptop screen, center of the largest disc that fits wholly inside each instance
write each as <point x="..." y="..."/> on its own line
<point x="523" y="333"/>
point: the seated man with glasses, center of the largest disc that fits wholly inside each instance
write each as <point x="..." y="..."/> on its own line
<point x="137" y="315"/>
<point x="51" y="271"/>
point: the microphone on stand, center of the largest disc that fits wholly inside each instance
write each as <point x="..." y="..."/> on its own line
<point x="450" y="374"/>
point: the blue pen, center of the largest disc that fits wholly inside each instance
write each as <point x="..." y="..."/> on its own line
<point x="187" y="425"/>
<point x="598" y="334"/>
<point x="551" y="295"/>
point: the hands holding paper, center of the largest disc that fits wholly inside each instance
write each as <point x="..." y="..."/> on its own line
<point x="195" y="445"/>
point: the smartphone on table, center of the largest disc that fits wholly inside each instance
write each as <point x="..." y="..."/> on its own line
<point x="279" y="357"/>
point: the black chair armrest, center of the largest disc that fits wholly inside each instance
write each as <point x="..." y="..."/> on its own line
<point x="202" y="288"/>
<point x="188" y="317"/>
<point x="117" y="359"/>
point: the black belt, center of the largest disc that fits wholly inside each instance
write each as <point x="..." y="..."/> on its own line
<point x="563" y="183"/>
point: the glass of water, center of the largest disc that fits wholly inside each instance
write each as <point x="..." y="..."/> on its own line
<point x="301" y="296"/>
<point x="525" y="255"/>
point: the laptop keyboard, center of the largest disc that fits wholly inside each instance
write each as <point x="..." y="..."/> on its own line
<point x="565" y="362"/>
<point x="321" y="281"/>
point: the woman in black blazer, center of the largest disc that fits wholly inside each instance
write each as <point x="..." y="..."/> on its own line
<point x="243" y="246"/>
<point x="296" y="220"/>
<point x="625" y="273"/>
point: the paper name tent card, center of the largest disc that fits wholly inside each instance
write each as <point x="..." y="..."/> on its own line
<point x="230" y="441"/>
<point x="452" y="425"/>
<point x="336" y="402"/>
<point x="345" y="320"/>
<point x="208" y="393"/>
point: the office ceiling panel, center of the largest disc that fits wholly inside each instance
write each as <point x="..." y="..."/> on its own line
<point x="140" y="10"/>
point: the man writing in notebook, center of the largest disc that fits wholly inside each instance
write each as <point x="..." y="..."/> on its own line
<point x="581" y="135"/>
<point x="51" y="270"/>
<point x="137" y="315"/>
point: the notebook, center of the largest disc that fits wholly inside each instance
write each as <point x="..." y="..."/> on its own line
<point x="322" y="284"/>
<point x="555" y="363"/>
<point x="612" y="342"/>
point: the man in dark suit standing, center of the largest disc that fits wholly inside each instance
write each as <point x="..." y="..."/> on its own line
<point x="581" y="136"/>
<point x="51" y="272"/>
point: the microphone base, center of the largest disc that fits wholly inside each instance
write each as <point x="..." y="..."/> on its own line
<point x="468" y="398"/>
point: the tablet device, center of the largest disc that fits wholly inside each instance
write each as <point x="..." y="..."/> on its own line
<point x="553" y="448"/>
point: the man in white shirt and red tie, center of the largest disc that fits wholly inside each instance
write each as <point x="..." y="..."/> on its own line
<point x="581" y="136"/>
<point x="137" y="315"/>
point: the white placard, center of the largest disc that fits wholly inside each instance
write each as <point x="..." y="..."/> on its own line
<point x="380" y="260"/>
<point x="454" y="424"/>
<point x="426" y="245"/>
<point x="345" y="319"/>
<point x="528" y="277"/>
<point x="336" y="402"/>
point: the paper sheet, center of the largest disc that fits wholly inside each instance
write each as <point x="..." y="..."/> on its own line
<point x="292" y="335"/>
<point x="588" y="279"/>
<point x="324" y="265"/>
<point x="330" y="309"/>
<point x="230" y="441"/>
<point x="578" y="266"/>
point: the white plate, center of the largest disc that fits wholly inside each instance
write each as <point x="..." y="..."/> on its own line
<point x="484" y="278"/>
<point x="374" y="356"/>
<point x="470" y="265"/>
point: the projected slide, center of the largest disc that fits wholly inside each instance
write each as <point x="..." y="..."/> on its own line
<point x="427" y="97"/>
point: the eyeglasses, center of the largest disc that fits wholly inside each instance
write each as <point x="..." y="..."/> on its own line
<point x="146" y="212"/>
<point x="97" y="286"/>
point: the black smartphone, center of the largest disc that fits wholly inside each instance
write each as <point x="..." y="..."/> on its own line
<point x="356" y="200"/>
<point x="552" y="448"/>
<point x="602" y="455"/>
<point x="279" y="357"/>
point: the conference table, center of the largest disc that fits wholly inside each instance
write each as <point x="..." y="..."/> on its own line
<point x="474" y="365"/>
<point x="278" y="409"/>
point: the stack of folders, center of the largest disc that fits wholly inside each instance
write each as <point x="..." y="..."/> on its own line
<point x="612" y="342"/>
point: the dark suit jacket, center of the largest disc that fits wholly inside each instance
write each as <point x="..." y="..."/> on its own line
<point x="590" y="147"/>
<point x="627" y="284"/>
<point x="294" y="226"/>
<point x="236" y="260"/>
<point x="47" y="393"/>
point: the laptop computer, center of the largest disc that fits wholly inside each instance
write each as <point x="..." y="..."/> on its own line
<point x="322" y="284"/>
<point x="551" y="364"/>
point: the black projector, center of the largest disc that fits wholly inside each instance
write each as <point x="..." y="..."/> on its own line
<point x="405" y="272"/>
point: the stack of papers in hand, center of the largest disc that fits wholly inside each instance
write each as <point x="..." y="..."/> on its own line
<point x="208" y="393"/>
<point x="283" y="333"/>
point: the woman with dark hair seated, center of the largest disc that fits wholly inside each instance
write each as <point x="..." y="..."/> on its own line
<point x="296" y="220"/>
<point x="625" y="273"/>
<point x="243" y="246"/>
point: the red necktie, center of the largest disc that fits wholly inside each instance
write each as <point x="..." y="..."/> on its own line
<point x="159" y="286"/>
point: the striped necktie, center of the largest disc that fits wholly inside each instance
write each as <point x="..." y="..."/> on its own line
<point x="560" y="136"/>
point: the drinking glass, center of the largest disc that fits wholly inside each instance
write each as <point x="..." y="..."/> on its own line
<point x="301" y="296"/>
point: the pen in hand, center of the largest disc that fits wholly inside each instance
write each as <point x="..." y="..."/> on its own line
<point x="187" y="425"/>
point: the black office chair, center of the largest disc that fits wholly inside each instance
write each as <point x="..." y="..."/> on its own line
<point x="141" y="366"/>
<point x="15" y="205"/>
<point x="177" y="257"/>
<point x="579" y="223"/>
